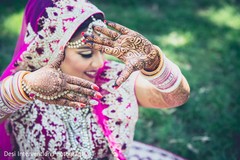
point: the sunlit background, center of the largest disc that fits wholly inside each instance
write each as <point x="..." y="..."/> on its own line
<point x="203" y="38"/>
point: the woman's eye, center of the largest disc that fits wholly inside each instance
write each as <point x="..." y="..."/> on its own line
<point x="86" y="55"/>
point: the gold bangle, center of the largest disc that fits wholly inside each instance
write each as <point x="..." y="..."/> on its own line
<point x="10" y="100"/>
<point x="14" y="95"/>
<point x="152" y="73"/>
<point x="23" y="93"/>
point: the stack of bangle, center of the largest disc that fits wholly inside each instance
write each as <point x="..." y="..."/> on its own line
<point x="167" y="77"/>
<point x="12" y="96"/>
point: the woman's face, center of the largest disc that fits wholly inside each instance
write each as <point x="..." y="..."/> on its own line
<point x="82" y="62"/>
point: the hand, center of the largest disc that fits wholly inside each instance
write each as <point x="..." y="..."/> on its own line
<point x="50" y="85"/>
<point x="132" y="48"/>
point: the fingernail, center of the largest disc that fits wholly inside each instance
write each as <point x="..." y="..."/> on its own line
<point x="82" y="33"/>
<point x="98" y="95"/>
<point x="93" y="102"/>
<point x="105" y="21"/>
<point x="83" y="105"/>
<point x="96" y="88"/>
<point x="80" y="105"/>
<point x="115" y="86"/>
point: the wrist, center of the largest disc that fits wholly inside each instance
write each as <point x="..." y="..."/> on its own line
<point x="167" y="78"/>
<point x="155" y="65"/>
<point x="23" y="90"/>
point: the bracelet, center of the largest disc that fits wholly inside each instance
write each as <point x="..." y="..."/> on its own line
<point x="33" y="94"/>
<point x="20" y="87"/>
<point x="12" y="96"/>
<point x="159" y="52"/>
<point x="16" y="88"/>
<point x="168" y="78"/>
<point x="4" y="110"/>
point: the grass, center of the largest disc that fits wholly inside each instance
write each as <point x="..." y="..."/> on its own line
<point x="203" y="39"/>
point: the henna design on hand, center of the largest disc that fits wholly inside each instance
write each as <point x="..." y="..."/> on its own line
<point x="132" y="48"/>
<point x="51" y="85"/>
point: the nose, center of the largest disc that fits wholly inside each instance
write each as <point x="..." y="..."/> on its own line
<point x="98" y="60"/>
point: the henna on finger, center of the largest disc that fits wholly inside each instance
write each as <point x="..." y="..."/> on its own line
<point x="66" y="102"/>
<point x="84" y="91"/>
<point x="131" y="66"/>
<point x="100" y="40"/>
<point x="101" y="48"/>
<point x="118" y="27"/>
<point x="124" y="75"/>
<point x="80" y="82"/>
<point x="60" y="101"/>
<point x="77" y="97"/>
<point x="106" y="31"/>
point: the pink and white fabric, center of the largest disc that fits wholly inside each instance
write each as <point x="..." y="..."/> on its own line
<point x="41" y="131"/>
<point x="46" y="28"/>
<point x="54" y="131"/>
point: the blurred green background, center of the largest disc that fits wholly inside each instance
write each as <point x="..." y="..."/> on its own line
<point x="203" y="38"/>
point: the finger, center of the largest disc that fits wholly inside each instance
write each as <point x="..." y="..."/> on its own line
<point x="57" y="62"/>
<point x="80" y="82"/>
<point x="83" y="91"/>
<point x="122" y="29"/>
<point x="124" y="75"/>
<point x="106" y="31"/>
<point x="116" y="51"/>
<point x="76" y="97"/>
<point x="100" y="40"/>
<point x="81" y="98"/>
<point x="66" y="102"/>
<point x="99" y="47"/>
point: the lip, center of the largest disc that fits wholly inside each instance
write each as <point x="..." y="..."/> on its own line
<point x="91" y="74"/>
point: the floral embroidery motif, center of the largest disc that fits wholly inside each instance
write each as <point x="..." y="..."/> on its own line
<point x="122" y="111"/>
<point x="42" y="129"/>
<point x="62" y="19"/>
<point x="46" y="129"/>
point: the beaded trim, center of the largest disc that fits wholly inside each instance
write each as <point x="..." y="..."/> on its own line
<point x="81" y="41"/>
<point x="33" y="94"/>
<point x="85" y="149"/>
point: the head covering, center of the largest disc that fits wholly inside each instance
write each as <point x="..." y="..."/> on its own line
<point x="46" y="28"/>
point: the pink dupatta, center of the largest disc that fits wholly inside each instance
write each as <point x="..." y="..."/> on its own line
<point x="46" y="28"/>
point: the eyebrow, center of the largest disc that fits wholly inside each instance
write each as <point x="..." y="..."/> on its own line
<point x="84" y="47"/>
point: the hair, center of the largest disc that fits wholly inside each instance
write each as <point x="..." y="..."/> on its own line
<point x="85" y="24"/>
